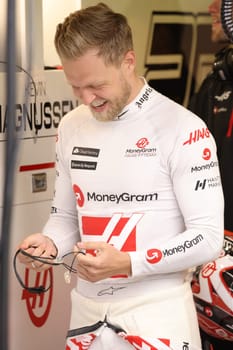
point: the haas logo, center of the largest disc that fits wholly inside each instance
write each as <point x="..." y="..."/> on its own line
<point x="38" y="305"/>
<point x="142" y="143"/>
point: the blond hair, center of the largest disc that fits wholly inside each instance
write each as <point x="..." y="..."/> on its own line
<point x="95" y="27"/>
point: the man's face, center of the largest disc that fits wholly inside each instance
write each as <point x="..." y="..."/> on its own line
<point x="103" y="88"/>
<point x="218" y="35"/>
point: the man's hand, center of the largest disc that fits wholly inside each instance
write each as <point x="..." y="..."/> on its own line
<point x="101" y="261"/>
<point x="37" y="244"/>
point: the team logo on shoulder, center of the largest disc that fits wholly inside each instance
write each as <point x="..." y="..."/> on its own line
<point x="153" y="256"/>
<point x="196" y="136"/>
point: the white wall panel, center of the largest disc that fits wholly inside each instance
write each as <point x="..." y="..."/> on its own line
<point x="54" y="12"/>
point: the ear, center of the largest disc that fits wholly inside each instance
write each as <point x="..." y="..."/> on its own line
<point x="129" y="61"/>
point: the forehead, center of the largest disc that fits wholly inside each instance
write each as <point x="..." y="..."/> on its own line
<point x="86" y="69"/>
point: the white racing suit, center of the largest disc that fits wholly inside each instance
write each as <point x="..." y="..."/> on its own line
<point x="148" y="183"/>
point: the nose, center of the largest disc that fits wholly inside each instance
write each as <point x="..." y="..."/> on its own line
<point x="86" y="95"/>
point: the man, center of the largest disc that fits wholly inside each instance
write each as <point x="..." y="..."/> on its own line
<point x="128" y="196"/>
<point x="214" y="104"/>
<point x="217" y="34"/>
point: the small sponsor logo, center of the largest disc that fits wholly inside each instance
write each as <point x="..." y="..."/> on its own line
<point x="203" y="167"/>
<point x="200" y="185"/>
<point x="77" y="164"/>
<point x="183" y="247"/>
<point x="53" y="210"/>
<point x="218" y="110"/>
<point x="85" y="151"/>
<point x="206" y="154"/>
<point x="153" y="256"/>
<point x="144" y="152"/>
<point x="224" y="96"/>
<point x="185" y="346"/>
<point x="141" y="150"/>
<point x="123" y="197"/>
<point x="144" y="97"/>
<point x="208" y="269"/>
<point x="79" y="195"/>
<point x="208" y="183"/>
<point x="197" y="135"/>
<point x="142" y="143"/>
<point x="208" y="311"/>
<point x="109" y="291"/>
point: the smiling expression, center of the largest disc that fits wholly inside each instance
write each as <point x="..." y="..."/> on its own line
<point x="105" y="89"/>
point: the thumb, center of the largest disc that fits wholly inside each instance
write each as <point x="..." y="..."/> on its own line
<point x="90" y="247"/>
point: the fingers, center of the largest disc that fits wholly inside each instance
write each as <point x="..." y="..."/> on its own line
<point x="37" y="245"/>
<point x="88" y="273"/>
<point x="30" y="260"/>
<point x="91" y="246"/>
<point x="38" y="241"/>
<point x="32" y="241"/>
<point x="107" y="261"/>
<point x="91" y="266"/>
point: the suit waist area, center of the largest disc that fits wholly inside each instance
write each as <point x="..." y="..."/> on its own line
<point x="110" y="289"/>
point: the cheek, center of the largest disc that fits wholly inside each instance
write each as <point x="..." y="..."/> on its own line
<point x="76" y="92"/>
<point x="105" y="95"/>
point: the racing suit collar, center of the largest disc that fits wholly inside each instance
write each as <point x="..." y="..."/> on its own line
<point x="138" y="103"/>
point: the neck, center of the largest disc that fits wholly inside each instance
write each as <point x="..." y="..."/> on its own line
<point x="137" y="85"/>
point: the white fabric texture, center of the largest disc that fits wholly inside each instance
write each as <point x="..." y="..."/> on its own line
<point x="147" y="183"/>
<point x="168" y="315"/>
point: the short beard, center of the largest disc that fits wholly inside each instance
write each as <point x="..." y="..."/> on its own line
<point x="117" y="105"/>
